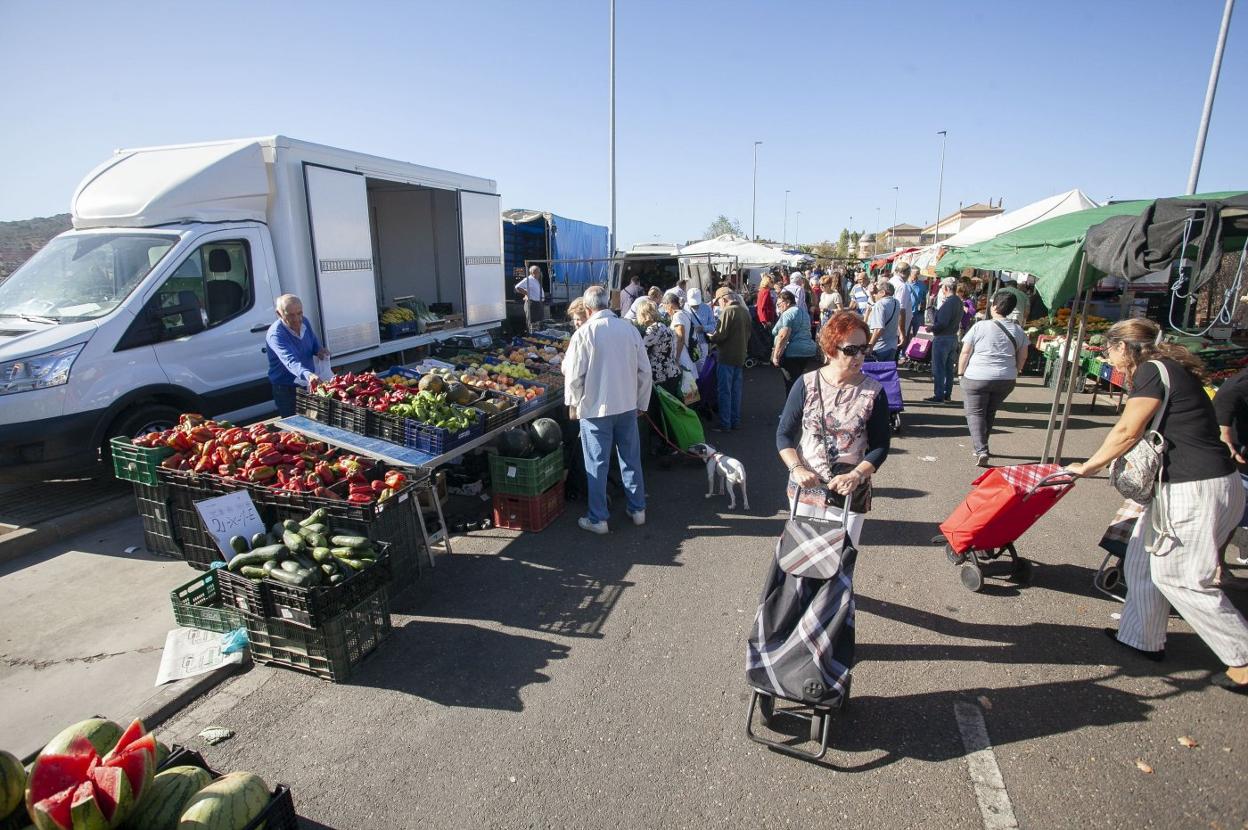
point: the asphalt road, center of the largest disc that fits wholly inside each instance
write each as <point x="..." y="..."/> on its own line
<point x="566" y="680"/>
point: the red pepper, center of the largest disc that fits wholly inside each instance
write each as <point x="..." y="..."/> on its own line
<point x="326" y="474"/>
<point x="395" y="480"/>
<point x="378" y="486"/>
<point x="259" y="474"/>
<point x="179" y="442"/>
<point x="225" y="470"/>
<point x="360" y="498"/>
<point x="203" y="465"/>
<point x="269" y="459"/>
<point x="173" y="461"/>
<point x="190" y="418"/>
<point x="357" y="478"/>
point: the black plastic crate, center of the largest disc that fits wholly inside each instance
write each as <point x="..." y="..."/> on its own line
<point x="155" y="507"/>
<point x="246" y="595"/>
<point x="197" y="604"/>
<point x="278" y="815"/>
<point x="350" y="417"/>
<point x="314" y="406"/>
<point x="331" y="652"/>
<point x="199" y="548"/>
<point x="494" y="420"/>
<point x="388" y="428"/>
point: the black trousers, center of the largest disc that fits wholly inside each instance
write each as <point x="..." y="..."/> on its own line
<point x="792" y="368"/>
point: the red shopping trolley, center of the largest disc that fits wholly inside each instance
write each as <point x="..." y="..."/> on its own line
<point x="1004" y="503"/>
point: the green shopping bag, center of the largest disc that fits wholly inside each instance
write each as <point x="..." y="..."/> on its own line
<point x="683" y="424"/>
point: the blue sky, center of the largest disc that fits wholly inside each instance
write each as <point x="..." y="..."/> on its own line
<point x="847" y="97"/>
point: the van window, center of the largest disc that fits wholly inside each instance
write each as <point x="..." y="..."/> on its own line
<point x="219" y="275"/>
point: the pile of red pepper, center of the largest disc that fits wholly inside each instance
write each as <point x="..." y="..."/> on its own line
<point x="363" y="389"/>
<point x="269" y="457"/>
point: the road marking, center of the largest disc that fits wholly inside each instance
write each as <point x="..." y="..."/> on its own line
<point x="994" y="801"/>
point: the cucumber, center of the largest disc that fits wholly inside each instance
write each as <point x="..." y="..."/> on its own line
<point x="343" y="541"/>
<point x="288" y="578"/>
<point x="342" y="553"/>
<point x="270" y="564"/>
<point x="364" y="553"/>
<point x="242" y="560"/>
<point x="322" y="554"/>
<point x="259" y="540"/>
<point x="294" y="541"/>
<point x="270" y="551"/>
<point x="318" y="540"/>
<point x="355" y="564"/>
<point x="319" y="527"/>
<point x="290" y="566"/>
<point x="253" y="573"/>
<point x="291" y="525"/>
<point x="317" y="515"/>
<point x="239" y="544"/>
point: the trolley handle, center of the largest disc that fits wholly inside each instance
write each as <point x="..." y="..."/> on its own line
<point x="1059" y="479"/>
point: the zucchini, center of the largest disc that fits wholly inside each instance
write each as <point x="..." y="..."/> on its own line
<point x="342" y="553"/>
<point x="276" y="530"/>
<point x="291" y="525"/>
<point x="319" y="527"/>
<point x="322" y="554"/>
<point x="343" y="541"/>
<point x="290" y="566"/>
<point x="355" y="564"/>
<point x="318" y="540"/>
<point x="270" y="551"/>
<point x="270" y="564"/>
<point x="242" y="560"/>
<point x="288" y="578"/>
<point x="239" y="544"/>
<point x="253" y="573"/>
<point x="259" y="540"/>
<point x="294" y="541"/>
<point x="317" y="515"/>
<point x="329" y="569"/>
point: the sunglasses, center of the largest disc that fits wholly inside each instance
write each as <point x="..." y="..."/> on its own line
<point x="853" y="351"/>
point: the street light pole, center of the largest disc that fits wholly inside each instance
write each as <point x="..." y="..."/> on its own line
<point x="754" y="202"/>
<point x="892" y="232"/>
<point x="785" y="233"/>
<point x="940" y="187"/>
<point x="797" y="231"/>
<point x="612" y="244"/>
<point x="877" y="231"/>
<point x="1197" y="157"/>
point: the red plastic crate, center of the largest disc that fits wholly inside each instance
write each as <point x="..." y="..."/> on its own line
<point x="531" y="513"/>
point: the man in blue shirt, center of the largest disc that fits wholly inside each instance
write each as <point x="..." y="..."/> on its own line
<point x="918" y="301"/>
<point x="292" y="350"/>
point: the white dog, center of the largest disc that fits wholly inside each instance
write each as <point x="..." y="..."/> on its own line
<point x="722" y="472"/>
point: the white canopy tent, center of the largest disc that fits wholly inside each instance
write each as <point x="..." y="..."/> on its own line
<point x="994" y="226"/>
<point x="750" y="257"/>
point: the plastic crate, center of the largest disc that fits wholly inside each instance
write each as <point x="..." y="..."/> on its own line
<point x="526" y="476"/>
<point x="531" y="513"/>
<point x="393" y="331"/>
<point x="494" y="420"/>
<point x="197" y="604"/>
<point x="436" y="440"/>
<point x="137" y="464"/>
<point x="155" y="507"/>
<point x="279" y="814"/>
<point x="350" y="417"/>
<point x="314" y="406"/>
<point x="332" y="651"/>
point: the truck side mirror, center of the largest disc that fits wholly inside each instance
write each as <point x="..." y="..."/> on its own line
<point x="182" y="319"/>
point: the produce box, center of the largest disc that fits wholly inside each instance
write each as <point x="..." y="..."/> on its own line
<point x="311" y="607"/>
<point x="526" y="476"/>
<point x="393" y="331"/>
<point x="501" y="410"/>
<point x="436" y="440"/>
<point x="314" y="406"/>
<point x="137" y="464"/>
<point x="331" y="652"/>
<point x="278" y="815"/>
<point x="197" y="604"/>
<point x="155" y="507"/>
<point x="532" y="513"/>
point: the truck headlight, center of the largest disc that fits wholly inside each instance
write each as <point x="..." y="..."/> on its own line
<point x="38" y="372"/>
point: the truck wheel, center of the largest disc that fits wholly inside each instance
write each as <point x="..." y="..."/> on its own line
<point x="144" y="419"/>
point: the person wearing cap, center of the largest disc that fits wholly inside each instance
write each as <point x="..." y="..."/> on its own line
<point x="732" y="337"/>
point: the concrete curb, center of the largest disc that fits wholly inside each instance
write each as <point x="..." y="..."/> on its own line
<point x="173" y="697"/>
<point x="27" y="540"/>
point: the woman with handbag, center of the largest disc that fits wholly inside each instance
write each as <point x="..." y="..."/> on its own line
<point x="792" y="348"/>
<point x="834" y="431"/>
<point x="660" y="345"/>
<point x="1166" y="453"/>
<point x="993" y="353"/>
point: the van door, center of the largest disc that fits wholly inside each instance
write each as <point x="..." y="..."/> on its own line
<point x="342" y="249"/>
<point x="481" y="232"/>
<point x="225" y="279"/>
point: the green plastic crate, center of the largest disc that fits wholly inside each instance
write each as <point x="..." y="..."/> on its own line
<point x="197" y="604"/>
<point x="526" y="476"/>
<point x="138" y="464"/>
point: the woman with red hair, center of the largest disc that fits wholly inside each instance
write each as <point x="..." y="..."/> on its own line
<point x="834" y="431"/>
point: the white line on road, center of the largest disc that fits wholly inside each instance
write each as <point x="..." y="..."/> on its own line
<point x="994" y="801"/>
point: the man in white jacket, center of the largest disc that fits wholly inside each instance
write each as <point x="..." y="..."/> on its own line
<point x="607" y="385"/>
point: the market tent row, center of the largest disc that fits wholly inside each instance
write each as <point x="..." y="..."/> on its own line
<point x="749" y="256"/>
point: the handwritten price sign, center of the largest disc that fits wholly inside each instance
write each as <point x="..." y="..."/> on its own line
<point x="233" y="514"/>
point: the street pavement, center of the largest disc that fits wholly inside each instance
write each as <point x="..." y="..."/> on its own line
<point x="561" y="679"/>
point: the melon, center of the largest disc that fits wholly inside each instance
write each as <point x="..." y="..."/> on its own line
<point x="460" y="394"/>
<point x="168" y="797"/>
<point x="430" y="383"/>
<point x="229" y="803"/>
<point x="102" y="733"/>
<point x="12" y="783"/>
<point x="515" y="443"/>
<point x="546" y="434"/>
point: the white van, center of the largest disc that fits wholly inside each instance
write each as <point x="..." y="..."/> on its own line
<point x="157" y="302"/>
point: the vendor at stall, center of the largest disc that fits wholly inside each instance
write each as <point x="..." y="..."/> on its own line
<point x="530" y="290"/>
<point x="292" y="350"/>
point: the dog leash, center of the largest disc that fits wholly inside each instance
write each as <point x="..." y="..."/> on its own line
<point x="667" y="441"/>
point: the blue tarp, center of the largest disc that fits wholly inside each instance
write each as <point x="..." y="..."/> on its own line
<point x="579" y="240"/>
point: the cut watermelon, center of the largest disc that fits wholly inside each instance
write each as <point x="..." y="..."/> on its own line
<point x="54" y="809"/>
<point x="138" y="764"/>
<point x="133" y="732"/>
<point x="84" y="810"/>
<point x="112" y="790"/>
<point x="77" y="791"/>
<point x="53" y="774"/>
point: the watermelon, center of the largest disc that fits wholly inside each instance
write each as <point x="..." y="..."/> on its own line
<point x="12" y="783"/>
<point x="515" y="443"/>
<point x="229" y="803"/>
<point x="546" y="434"/>
<point x="102" y="733"/>
<point x="167" y="798"/>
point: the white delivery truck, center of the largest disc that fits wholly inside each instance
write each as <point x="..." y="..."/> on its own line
<point x="158" y="300"/>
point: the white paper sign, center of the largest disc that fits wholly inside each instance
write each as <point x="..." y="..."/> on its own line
<point x="233" y="514"/>
<point x="190" y="651"/>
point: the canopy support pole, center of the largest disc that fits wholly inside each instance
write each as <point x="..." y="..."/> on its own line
<point x="1063" y="356"/>
<point x="1075" y="377"/>
<point x="1198" y="155"/>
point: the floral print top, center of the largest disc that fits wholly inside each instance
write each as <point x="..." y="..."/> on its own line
<point x="661" y="348"/>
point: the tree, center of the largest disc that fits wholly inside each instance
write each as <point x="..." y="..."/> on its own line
<point x="723" y="225"/>
<point x="823" y="251"/>
<point x="842" y="244"/>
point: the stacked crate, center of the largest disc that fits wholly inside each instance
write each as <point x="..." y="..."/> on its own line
<point x="528" y="492"/>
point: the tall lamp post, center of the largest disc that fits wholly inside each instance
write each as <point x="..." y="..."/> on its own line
<point x="785" y="232"/>
<point x="877" y="231"/>
<point x="611" y="247"/>
<point x="754" y="202"/>
<point x="941" y="184"/>
<point x="797" y="231"/>
<point x="1197" y="156"/>
<point x="892" y="232"/>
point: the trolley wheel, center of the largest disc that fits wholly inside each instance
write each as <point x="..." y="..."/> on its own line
<point x="816" y="726"/>
<point x="766" y="708"/>
<point x="953" y="556"/>
<point x="1111" y="577"/>
<point x="972" y="577"/>
<point x="1022" y="571"/>
<point x="750" y="362"/>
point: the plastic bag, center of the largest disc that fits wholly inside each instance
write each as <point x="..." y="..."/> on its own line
<point x="322" y="369"/>
<point x="232" y="641"/>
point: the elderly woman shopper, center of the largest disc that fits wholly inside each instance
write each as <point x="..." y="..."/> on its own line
<point x="1173" y="552"/>
<point x="830" y="301"/>
<point x="660" y="345"/>
<point x="993" y="353"/>
<point x="834" y="431"/>
<point x="793" y="347"/>
<point x="765" y="304"/>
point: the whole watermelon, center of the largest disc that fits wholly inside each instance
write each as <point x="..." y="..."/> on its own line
<point x="12" y="783"/>
<point x="546" y="434"/>
<point x="515" y="443"/>
<point x="103" y="735"/>
<point x="171" y="791"/>
<point x="229" y="803"/>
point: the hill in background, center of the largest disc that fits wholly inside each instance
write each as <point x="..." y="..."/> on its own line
<point x="19" y="240"/>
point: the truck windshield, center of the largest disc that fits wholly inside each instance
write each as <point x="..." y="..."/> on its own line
<point x="81" y="276"/>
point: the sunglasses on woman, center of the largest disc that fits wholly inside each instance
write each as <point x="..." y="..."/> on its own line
<point x="853" y="351"/>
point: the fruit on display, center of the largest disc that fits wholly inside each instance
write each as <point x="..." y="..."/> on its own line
<point x="546" y="434"/>
<point x="482" y="377"/>
<point x="12" y="783"/>
<point x="393" y="315"/>
<point x="229" y="803"/>
<point x="515" y="443"/>
<point x="433" y="409"/>
<point x="167" y="798"/>
<point x="305" y="553"/>
<point x="78" y="790"/>
<point x="517" y="371"/>
<point x="101" y="732"/>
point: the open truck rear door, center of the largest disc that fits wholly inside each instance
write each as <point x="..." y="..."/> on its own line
<point x="481" y="230"/>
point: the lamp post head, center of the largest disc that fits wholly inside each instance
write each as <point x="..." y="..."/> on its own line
<point x="943" y="132"/>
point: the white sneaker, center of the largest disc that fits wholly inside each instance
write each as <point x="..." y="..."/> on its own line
<point x="639" y="518"/>
<point x="584" y="523"/>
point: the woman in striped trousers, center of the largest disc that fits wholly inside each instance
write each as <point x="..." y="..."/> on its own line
<point x="1173" y="554"/>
